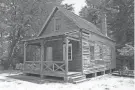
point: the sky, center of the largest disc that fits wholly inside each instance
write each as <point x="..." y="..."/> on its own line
<point x="78" y="4"/>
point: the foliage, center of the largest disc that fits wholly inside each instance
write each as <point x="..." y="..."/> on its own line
<point x="122" y="27"/>
<point x="127" y="50"/>
<point x="68" y="7"/>
<point x="120" y="21"/>
<point x="95" y="9"/>
<point x="22" y="19"/>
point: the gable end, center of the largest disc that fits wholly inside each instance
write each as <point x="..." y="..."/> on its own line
<point x="47" y="21"/>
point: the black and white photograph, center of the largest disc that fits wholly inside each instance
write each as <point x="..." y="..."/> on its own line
<point x="67" y="45"/>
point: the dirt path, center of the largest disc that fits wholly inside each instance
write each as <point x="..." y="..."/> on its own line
<point x="13" y="80"/>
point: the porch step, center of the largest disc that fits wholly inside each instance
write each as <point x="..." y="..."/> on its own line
<point x="75" y="74"/>
<point x="115" y="73"/>
<point x="79" y="81"/>
<point x="76" y="78"/>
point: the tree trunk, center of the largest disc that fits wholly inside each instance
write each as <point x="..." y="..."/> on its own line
<point x="11" y="53"/>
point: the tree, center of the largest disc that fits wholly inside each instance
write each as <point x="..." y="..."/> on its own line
<point x="122" y="27"/>
<point x="95" y="10"/>
<point x="25" y="19"/>
<point x="68" y="7"/>
<point x="125" y="56"/>
<point x="120" y="21"/>
<point x="119" y="17"/>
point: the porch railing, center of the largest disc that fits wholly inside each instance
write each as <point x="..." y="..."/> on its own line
<point x="54" y="66"/>
<point x="32" y="65"/>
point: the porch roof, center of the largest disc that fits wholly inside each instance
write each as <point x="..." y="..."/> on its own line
<point x="45" y="36"/>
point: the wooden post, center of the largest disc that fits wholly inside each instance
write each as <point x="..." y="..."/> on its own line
<point x="81" y="52"/>
<point x="95" y="74"/>
<point x="104" y="72"/>
<point x="66" y="60"/>
<point x="25" y="45"/>
<point x="110" y="71"/>
<point x="42" y="59"/>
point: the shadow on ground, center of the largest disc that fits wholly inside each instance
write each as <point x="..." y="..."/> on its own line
<point x="10" y="72"/>
<point x="36" y="79"/>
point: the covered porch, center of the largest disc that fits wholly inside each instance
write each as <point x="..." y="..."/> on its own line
<point x="58" y="55"/>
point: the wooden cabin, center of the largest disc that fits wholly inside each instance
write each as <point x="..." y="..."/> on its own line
<point x="70" y="47"/>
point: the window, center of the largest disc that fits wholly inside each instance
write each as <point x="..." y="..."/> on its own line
<point x="106" y="53"/>
<point x="91" y="52"/>
<point x="49" y="54"/>
<point x="70" y="52"/>
<point x="57" y="24"/>
<point x="98" y="51"/>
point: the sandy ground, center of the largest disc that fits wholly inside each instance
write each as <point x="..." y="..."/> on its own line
<point x="13" y="80"/>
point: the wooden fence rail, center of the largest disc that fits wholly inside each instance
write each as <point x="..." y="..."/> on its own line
<point x="54" y="66"/>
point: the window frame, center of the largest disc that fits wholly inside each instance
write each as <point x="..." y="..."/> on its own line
<point x="69" y="45"/>
<point x="100" y="52"/>
<point x="92" y="55"/>
<point x="57" y="24"/>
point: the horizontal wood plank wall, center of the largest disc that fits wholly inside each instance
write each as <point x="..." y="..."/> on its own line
<point x="91" y="38"/>
<point x="85" y="51"/>
<point x="75" y="64"/>
<point x="65" y="24"/>
<point x="57" y="47"/>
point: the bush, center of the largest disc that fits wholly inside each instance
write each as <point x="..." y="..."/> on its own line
<point x="1" y="65"/>
<point x="5" y="63"/>
<point x="125" y="57"/>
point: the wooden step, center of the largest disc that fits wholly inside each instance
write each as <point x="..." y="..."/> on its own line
<point x="75" y="74"/>
<point x="78" y="78"/>
<point x="115" y="73"/>
<point x="79" y="81"/>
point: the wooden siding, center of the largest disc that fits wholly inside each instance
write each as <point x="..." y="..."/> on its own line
<point x="100" y="59"/>
<point x="75" y="64"/>
<point x="50" y="27"/>
<point x="57" y="49"/>
<point x="81" y="43"/>
<point x="66" y="25"/>
<point x="85" y="51"/>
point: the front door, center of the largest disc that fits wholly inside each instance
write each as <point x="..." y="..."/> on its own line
<point x="73" y="55"/>
<point x="49" y="55"/>
<point x="69" y="52"/>
<point x="69" y="55"/>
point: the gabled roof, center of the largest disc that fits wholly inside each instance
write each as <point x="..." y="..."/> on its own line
<point x="80" y="22"/>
